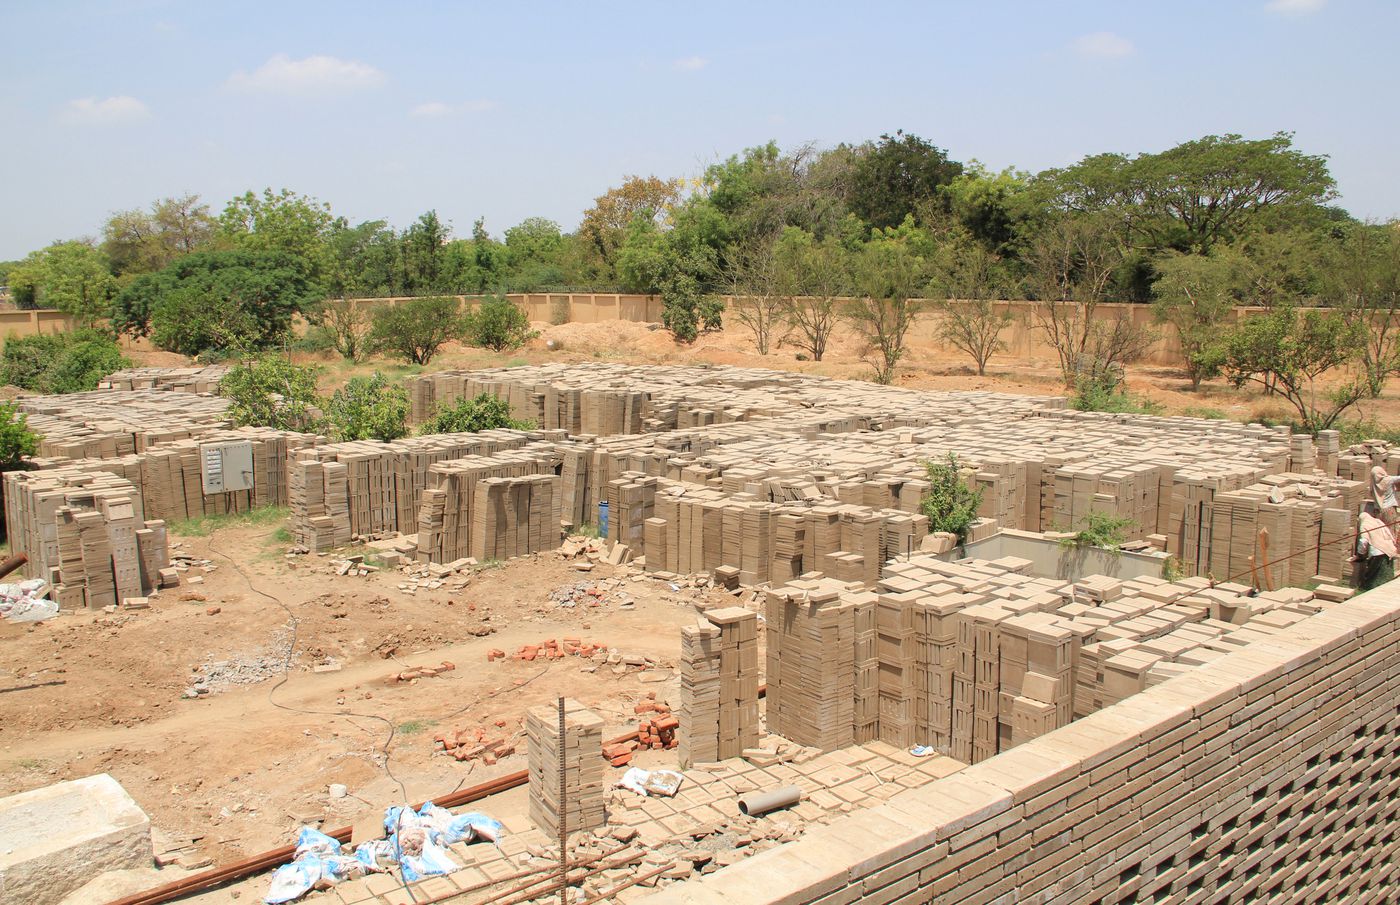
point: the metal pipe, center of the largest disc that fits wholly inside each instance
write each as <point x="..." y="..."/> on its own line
<point x="756" y="804"/>
<point x="12" y="563"/>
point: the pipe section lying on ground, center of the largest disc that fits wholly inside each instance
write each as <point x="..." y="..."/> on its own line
<point x="14" y="562"/>
<point x="756" y="804"/>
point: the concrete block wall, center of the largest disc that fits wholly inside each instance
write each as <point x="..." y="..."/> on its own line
<point x="1270" y="775"/>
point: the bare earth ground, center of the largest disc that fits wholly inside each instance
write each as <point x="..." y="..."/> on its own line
<point x="243" y="767"/>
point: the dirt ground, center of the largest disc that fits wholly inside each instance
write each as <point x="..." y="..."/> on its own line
<point x="242" y="767"/>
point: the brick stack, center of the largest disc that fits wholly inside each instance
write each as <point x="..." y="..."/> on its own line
<point x="700" y="680"/>
<point x="811" y="668"/>
<point x="514" y="516"/>
<point x="578" y="754"/>
<point x="719" y="686"/>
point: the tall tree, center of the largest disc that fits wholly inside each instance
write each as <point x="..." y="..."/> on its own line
<point x="73" y="277"/>
<point x="605" y="224"/>
<point x="283" y="221"/>
<point x="421" y="253"/>
<point x="894" y="175"/>
<point x="142" y="241"/>
<point x="815" y="277"/>
<point x="1196" y="194"/>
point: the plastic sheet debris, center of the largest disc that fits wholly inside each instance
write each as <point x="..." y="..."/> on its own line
<point x="25" y="602"/>
<point x="416" y="845"/>
<point x="659" y="783"/>
<point x="922" y="750"/>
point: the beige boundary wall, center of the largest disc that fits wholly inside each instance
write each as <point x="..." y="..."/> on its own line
<point x="16" y="322"/>
<point x="1271" y="775"/>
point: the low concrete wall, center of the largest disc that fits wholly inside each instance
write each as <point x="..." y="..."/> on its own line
<point x="1270" y="775"/>
<point x="1050" y="560"/>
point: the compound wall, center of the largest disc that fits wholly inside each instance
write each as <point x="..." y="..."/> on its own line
<point x="1271" y="775"/>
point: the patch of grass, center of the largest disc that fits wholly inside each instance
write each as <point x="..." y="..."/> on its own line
<point x="29" y="763"/>
<point x="588" y="529"/>
<point x="1362" y="429"/>
<point x="1205" y="411"/>
<point x="515" y="363"/>
<point x="208" y="524"/>
<point x="1171" y="569"/>
<point x="413" y="726"/>
<point x="282" y="535"/>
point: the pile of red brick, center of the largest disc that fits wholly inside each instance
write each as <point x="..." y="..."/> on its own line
<point x="550" y="649"/>
<point x="657" y="730"/>
<point x="475" y="744"/>
<point x="419" y="672"/>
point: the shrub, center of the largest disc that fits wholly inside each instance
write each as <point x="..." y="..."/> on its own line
<point x="272" y="392"/>
<point x="368" y="408"/>
<point x="16" y="439"/>
<point x="415" y="330"/>
<point x="60" y="362"/>
<point x="1107" y="532"/>
<point x="467" y="416"/>
<point x="498" y="324"/>
<point x="949" y="503"/>
<point x="1106" y="394"/>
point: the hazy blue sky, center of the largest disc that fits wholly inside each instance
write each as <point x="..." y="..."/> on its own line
<point x="512" y="110"/>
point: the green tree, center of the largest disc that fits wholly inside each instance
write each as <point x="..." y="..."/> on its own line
<point x="893" y="176"/>
<point x="73" y="277"/>
<point x="25" y="359"/>
<point x="217" y="300"/>
<point x="1291" y="351"/>
<point x="950" y="504"/>
<point x="815" y="277"/>
<point x="469" y="416"/>
<point x="363" y="260"/>
<point x="368" y="408"/>
<point x="676" y="265"/>
<point x="421" y="254"/>
<point x="498" y="324"/>
<point x="535" y="248"/>
<point x="1196" y="295"/>
<point x="1196" y="194"/>
<point x="270" y="391"/>
<point x="416" y="329"/>
<point x="890" y="275"/>
<point x="285" y="222"/>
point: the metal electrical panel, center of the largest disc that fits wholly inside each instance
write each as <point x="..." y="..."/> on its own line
<point x="227" y="466"/>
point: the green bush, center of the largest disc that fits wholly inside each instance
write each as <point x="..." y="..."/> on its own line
<point x="949" y="503"/>
<point x="16" y="439"/>
<point x="467" y="416"/>
<point x="60" y="362"/>
<point x="272" y="392"/>
<point x="415" y="330"/>
<point x="368" y="408"/>
<point x="1101" y="530"/>
<point x="316" y="340"/>
<point x="1108" y="395"/>
<point x="498" y="324"/>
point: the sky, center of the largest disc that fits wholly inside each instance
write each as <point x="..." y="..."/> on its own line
<point x="507" y="111"/>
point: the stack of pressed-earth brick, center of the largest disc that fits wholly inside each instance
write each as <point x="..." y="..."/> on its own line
<point x="719" y="686"/>
<point x="578" y="755"/>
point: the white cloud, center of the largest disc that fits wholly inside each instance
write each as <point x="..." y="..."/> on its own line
<point x="438" y="108"/>
<point x="1295" y="7"/>
<point x="105" y="110"/>
<point x="1103" y="44"/>
<point x="691" y="64"/>
<point x="316" y="74"/>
